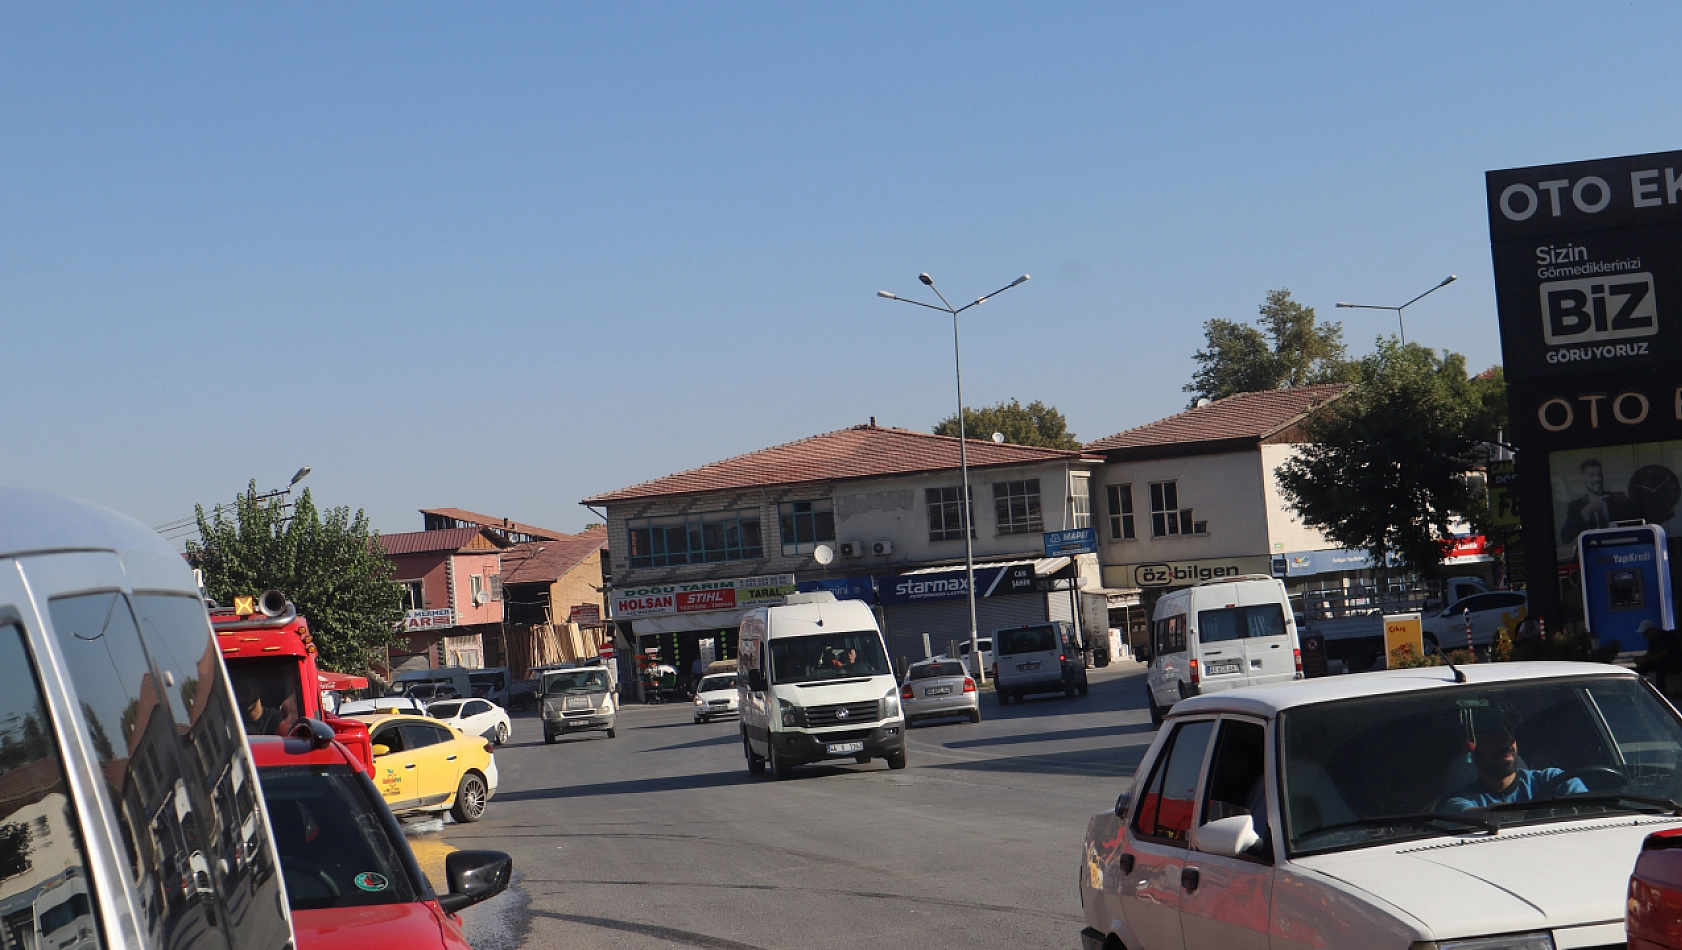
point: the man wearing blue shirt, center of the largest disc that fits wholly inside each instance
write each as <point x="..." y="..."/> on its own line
<point x="1500" y="781"/>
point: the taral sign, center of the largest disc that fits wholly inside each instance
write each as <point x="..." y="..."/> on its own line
<point x="1183" y="573"/>
<point x="422" y="621"/>
<point x="697" y="596"/>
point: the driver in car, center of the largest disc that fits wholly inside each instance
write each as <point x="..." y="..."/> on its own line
<point x="1500" y="781"/>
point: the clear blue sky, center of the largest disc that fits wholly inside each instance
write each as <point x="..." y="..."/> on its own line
<point x="507" y="256"/>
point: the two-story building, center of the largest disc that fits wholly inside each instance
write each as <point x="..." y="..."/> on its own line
<point x="869" y="512"/>
<point x="452" y="581"/>
<point x="553" y="595"/>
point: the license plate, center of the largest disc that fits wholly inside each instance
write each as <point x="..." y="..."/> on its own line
<point x="1030" y="665"/>
<point x="843" y="748"/>
<point x="1225" y="666"/>
<point x="937" y="691"/>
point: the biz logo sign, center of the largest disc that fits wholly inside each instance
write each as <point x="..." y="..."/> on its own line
<point x="1599" y="308"/>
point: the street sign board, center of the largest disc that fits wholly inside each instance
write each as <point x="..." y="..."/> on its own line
<point x="585" y="613"/>
<point x="419" y="621"/>
<point x="1071" y="542"/>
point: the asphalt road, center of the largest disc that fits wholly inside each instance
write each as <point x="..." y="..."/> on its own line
<point x="661" y="838"/>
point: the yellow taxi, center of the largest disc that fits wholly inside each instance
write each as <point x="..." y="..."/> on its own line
<point x="421" y="764"/>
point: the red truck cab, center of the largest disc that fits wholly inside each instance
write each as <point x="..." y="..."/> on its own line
<point x="270" y="658"/>
<point x="1654" y="917"/>
<point x="351" y="879"/>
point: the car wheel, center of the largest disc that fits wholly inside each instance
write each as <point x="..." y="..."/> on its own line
<point x="1084" y="687"/>
<point x="613" y="732"/>
<point x="756" y="763"/>
<point x="862" y="759"/>
<point x="501" y="733"/>
<point x="1156" y="711"/>
<point x="780" y="768"/>
<point x="975" y="714"/>
<point x="470" y="798"/>
<point x="1071" y="692"/>
<point x="896" y="760"/>
<point x="548" y="738"/>
<point x="1004" y="697"/>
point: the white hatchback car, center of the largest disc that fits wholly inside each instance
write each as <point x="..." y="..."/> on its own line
<point x="716" y="696"/>
<point x="475" y="717"/>
<point x="1501" y="808"/>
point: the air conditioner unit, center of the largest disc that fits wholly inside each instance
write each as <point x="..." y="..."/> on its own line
<point x="882" y="547"/>
<point x="852" y="548"/>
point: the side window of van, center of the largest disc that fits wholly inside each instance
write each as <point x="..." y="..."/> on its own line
<point x="40" y="847"/>
<point x="1171" y="634"/>
<point x="160" y="812"/>
<point x="1165" y="808"/>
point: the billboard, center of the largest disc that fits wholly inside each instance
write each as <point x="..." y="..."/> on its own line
<point x="925" y="586"/>
<point x="1605" y="485"/>
<point x="697" y="596"/>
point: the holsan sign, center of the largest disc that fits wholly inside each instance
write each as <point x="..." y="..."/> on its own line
<point x="697" y="596"/>
<point x="1183" y="573"/>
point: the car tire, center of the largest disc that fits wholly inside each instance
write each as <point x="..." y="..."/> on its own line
<point x="1156" y="711"/>
<point x="780" y="769"/>
<point x="501" y="733"/>
<point x="471" y="796"/>
<point x="896" y="760"/>
<point x="548" y="738"/>
<point x="1003" y="697"/>
<point x="1071" y="692"/>
<point x="1084" y="687"/>
<point x="613" y="732"/>
<point x="756" y="763"/>
<point x="975" y="714"/>
<point x="862" y="759"/>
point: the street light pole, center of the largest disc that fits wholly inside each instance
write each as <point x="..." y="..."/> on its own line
<point x="1399" y="325"/>
<point x="964" y="504"/>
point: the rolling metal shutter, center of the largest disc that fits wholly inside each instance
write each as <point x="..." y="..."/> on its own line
<point x="949" y="620"/>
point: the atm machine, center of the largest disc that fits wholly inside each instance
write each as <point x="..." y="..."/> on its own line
<point x="1626" y="580"/>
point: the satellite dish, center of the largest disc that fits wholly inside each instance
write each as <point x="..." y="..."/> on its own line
<point x="999" y="437"/>
<point x="1203" y="401"/>
<point x="823" y="554"/>
<point x="481" y="598"/>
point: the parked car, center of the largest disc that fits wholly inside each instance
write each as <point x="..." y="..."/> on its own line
<point x="936" y="689"/>
<point x="492" y="683"/>
<point x="578" y="700"/>
<point x="385" y="705"/>
<point x="986" y="644"/>
<point x="351" y="879"/>
<point x="1446" y="629"/>
<point x="522" y="694"/>
<point x="1220" y="634"/>
<point x="1038" y="658"/>
<point x="129" y="810"/>
<point x="427" y="692"/>
<point x="1348" y="812"/>
<point x="1654" y="918"/>
<point x="715" y="696"/>
<point x="424" y="765"/>
<point x="474" y="717"/>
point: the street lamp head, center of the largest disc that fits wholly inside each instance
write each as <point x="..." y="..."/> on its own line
<point x="299" y="477"/>
<point x="1017" y="281"/>
<point x="883" y="293"/>
<point x="1447" y="280"/>
<point x="1342" y="304"/>
<point x="926" y="279"/>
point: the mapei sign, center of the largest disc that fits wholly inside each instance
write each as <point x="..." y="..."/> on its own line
<point x="1588" y="264"/>
<point x="1182" y="573"/>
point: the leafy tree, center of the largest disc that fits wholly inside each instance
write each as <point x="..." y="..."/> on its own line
<point x="1289" y="347"/>
<point x="333" y="568"/>
<point x="1385" y="466"/>
<point x="1033" y="424"/>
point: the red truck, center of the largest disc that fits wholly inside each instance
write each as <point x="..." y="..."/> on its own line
<point x="270" y="657"/>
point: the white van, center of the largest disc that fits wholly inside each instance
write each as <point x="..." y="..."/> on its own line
<point x="1222" y="634"/>
<point x="814" y="683"/>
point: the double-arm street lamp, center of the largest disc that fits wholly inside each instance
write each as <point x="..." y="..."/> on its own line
<point x="979" y="670"/>
<point x="1367" y="306"/>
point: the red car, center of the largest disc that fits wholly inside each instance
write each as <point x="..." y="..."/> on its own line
<point x="351" y="880"/>
<point x="1654" y="919"/>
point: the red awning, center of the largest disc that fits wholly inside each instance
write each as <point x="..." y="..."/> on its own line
<point x="342" y="681"/>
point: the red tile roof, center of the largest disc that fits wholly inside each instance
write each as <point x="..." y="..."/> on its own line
<point x="1251" y="416"/>
<point x="429" y="542"/>
<point x="487" y="521"/>
<point x="544" y="562"/>
<point x="859" y="452"/>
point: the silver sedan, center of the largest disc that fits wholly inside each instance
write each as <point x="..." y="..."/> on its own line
<point x="936" y="688"/>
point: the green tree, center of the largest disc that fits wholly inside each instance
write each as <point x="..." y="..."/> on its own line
<point x="1288" y="347"/>
<point x="332" y="566"/>
<point x="1386" y="466"/>
<point x="1033" y="424"/>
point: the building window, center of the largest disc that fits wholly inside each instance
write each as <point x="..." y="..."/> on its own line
<point x="946" y="514"/>
<point x="695" y="539"/>
<point x="1016" y="505"/>
<point x="1080" y="500"/>
<point x="414" y="595"/>
<point x="806" y="524"/>
<point x="496" y="586"/>
<point x="1121" y="512"/>
<point x="1167" y="517"/>
<point x="478" y="582"/>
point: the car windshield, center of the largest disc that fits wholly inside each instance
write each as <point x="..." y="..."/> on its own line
<point x="930" y="670"/>
<point x="267" y="691"/>
<point x="1041" y="639"/>
<point x="827" y="656"/>
<point x="714" y="683"/>
<point x="445" y="710"/>
<point x="335" y="849"/>
<point x="1388" y="768"/>
<point x="580" y="681"/>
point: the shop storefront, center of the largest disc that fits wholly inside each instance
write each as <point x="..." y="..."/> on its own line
<point x="934" y="603"/>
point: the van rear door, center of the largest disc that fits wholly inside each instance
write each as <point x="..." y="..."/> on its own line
<point x="1244" y="641"/>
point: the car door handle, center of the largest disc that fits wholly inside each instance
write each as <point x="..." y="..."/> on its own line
<point x="410" y="765"/>
<point x="450" y="759"/>
<point x="1188" y="879"/>
<point x="1126" y="863"/>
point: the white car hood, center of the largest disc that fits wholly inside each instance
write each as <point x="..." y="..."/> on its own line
<point x="718" y="694"/>
<point x="1537" y="877"/>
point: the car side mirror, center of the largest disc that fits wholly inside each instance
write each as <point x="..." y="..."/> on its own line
<point x="379" y="750"/>
<point x="1122" y="801"/>
<point x="756" y="681"/>
<point x="474" y="876"/>
<point x="1228" y="836"/>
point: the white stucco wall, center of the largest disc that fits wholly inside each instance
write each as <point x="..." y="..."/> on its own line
<point x="1285" y="530"/>
<point x="1226" y="490"/>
